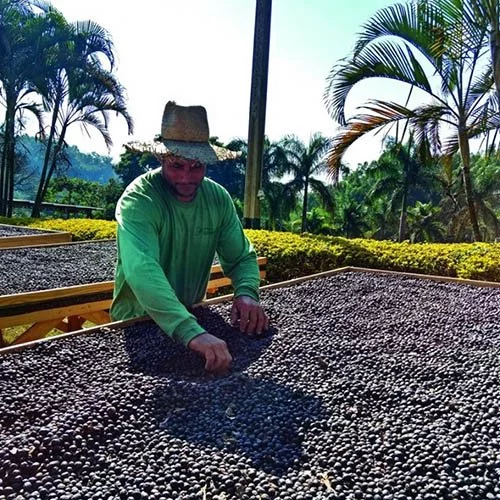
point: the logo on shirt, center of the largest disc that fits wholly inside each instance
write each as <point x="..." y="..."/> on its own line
<point x="201" y="231"/>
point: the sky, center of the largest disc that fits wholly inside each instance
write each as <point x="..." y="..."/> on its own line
<point x="199" y="52"/>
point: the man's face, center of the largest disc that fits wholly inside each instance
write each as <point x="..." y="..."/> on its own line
<point x="183" y="176"/>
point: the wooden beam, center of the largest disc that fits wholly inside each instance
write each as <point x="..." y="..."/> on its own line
<point x="97" y="329"/>
<point x="58" y="312"/>
<point x="34" y="239"/>
<point x="56" y="293"/>
<point x="444" y="279"/>
<point x="98" y="317"/>
<point x="36" y="331"/>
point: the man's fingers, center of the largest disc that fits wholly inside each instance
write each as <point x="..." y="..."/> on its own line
<point x="214" y="350"/>
<point x="210" y="360"/>
<point x="261" y="323"/>
<point x="253" y="319"/>
<point x="222" y="360"/>
<point x="244" y="319"/>
<point x="234" y="314"/>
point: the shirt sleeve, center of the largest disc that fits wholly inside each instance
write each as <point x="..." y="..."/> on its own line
<point x="237" y="255"/>
<point x="138" y="248"/>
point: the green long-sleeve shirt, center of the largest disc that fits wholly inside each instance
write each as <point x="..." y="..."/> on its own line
<point x="166" y="249"/>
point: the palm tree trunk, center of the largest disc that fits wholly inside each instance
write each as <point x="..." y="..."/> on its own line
<point x="35" y="211"/>
<point x="469" y="195"/>
<point x="57" y="149"/>
<point x="404" y="214"/>
<point x="304" y="207"/>
<point x="495" y="47"/>
<point x="7" y="165"/>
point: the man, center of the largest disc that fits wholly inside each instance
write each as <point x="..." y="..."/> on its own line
<point x="171" y="222"/>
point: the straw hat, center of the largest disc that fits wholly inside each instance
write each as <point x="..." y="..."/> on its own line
<point x="184" y="132"/>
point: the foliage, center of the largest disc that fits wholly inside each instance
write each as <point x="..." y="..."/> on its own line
<point x="60" y="71"/>
<point x="87" y="166"/>
<point x="437" y="47"/>
<point x="132" y="164"/>
<point x="23" y="30"/>
<point x="304" y="162"/>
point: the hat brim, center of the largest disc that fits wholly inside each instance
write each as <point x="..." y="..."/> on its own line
<point x="201" y="151"/>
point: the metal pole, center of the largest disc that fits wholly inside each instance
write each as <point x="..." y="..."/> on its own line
<point x="257" y="118"/>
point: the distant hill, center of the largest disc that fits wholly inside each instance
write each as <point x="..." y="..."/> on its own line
<point x="90" y="167"/>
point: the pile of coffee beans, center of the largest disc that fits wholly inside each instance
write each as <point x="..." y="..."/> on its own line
<point x="9" y="231"/>
<point x="45" y="267"/>
<point x="365" y="387"/>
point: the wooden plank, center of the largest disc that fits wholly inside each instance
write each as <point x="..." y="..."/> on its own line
<point x="56" y="293"/>
<point x="109" y="327"/>
<point x="57" y="244"/>
<point x="58" y="312"/>
<point x="217" y="268"/>
<point x="220" y="282"/>
<point x="62" y="326"/>
<point x="75" y="322"/>
<point x="98" y="317"/>
<point x="34" y="239"/>
<point x="36" y="331"/>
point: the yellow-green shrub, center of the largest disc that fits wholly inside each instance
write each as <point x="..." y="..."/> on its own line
<point x="291" y="255"/>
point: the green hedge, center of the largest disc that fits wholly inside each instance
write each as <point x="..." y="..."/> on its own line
<point x="292" y="255"/>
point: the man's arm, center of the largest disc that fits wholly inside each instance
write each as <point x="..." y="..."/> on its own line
<point x="239" y="261"/>
<point x="138" y="253"/>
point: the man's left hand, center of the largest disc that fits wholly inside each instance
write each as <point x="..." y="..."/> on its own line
<point x="250" y="315"/>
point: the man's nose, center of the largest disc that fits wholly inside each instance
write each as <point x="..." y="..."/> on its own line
<point x="183" y="176"/>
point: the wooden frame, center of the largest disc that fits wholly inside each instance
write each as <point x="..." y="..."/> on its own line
<point x="39" y="238"/>
<point x="217" y="300"/>
<point x="38" y="309"/>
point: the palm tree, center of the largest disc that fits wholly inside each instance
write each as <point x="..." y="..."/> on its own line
<point x="278" y="198"/>
<point x="22" y="35"/>
<point x="303" y="162"/>
<point x="400" y="174"/>
<point x="474" y="13"/>
<point x="486" y="179"/>
<point x="423" y="223"/>
<point x="421" y="45"/>
<point x="79" y="89"/>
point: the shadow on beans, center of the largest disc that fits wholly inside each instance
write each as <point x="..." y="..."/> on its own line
<point x="240" y="413"/>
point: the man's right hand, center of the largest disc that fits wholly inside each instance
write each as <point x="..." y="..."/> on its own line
<point x="214" y="350"/>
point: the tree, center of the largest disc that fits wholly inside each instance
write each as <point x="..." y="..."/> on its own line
<point x="133" y="163"/>
<point x="401" y="174"/>
<point x="78" y="89"/>
<point x="486" y="178"/>
<point x="303" y="162"/>
<point x="423" y="223"/>
<point x="279" y="199"/>
<point x="475" y="13"/>
<point x="421" y="44"/>
<point x="74" y="191"/>
<point x="22" y="36"/>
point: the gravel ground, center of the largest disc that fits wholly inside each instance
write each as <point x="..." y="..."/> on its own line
<point x="42" y="268"/>
<point x="365" y="387"/>
<point x="6" y="230"/>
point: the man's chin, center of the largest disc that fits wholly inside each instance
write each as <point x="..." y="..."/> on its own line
<point x="186" y="193"/>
